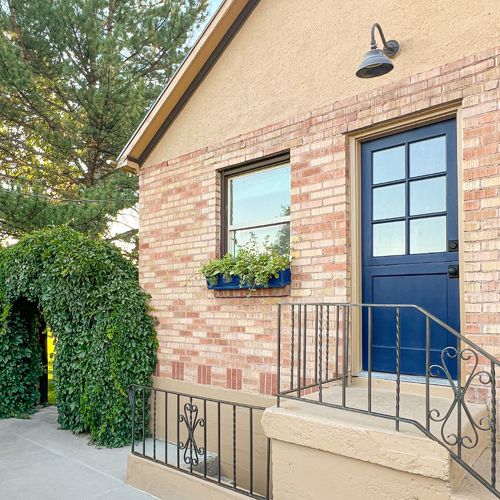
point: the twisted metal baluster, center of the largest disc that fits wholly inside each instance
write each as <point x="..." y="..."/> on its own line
<point x="398" y="365"/>
<point x="493" y="426"/>
<point x="292" y="334"/>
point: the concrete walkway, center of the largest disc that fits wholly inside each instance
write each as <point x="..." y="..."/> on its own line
<point x="38" y="461"/>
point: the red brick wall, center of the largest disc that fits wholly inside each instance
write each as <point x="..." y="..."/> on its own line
<point x="230" y="341"/>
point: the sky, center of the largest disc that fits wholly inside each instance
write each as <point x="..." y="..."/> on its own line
<point x="212" y="6"/>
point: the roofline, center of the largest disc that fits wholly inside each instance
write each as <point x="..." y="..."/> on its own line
<point x="208" y="47"/>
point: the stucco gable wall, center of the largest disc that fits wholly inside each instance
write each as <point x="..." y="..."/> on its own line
<point x="292" y="56"/>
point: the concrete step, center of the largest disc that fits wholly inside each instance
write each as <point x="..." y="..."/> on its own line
<point x="412" y="406"/>
<point x="406" y="441"/>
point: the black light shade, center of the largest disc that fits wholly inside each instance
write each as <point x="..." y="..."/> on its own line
<point x="375" y="63"/>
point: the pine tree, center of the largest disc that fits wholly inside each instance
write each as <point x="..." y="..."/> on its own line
<point x="76" y="76"/>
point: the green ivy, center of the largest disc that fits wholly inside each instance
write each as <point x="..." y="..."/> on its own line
<point x="253" y="264"/>
<point x="104" y="333"/>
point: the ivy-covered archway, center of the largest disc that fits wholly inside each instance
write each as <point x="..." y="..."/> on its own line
<point x="105" y="338"/>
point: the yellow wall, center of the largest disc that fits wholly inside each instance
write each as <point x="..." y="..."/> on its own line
<point x="292" y="56"/>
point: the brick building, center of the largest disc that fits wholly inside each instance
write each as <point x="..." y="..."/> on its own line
<point x="393" y="183"/>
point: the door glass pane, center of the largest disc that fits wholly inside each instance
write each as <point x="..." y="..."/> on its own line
<point x="428" y="235"/>
<point x="389" y="164"/>
<point x="389" y="201"/>
<point x="427" y="196"/>
<point x="262" y="195"/>
<point x="389" y="239"/>
<point x="428" y="157"/>
<point x="277" y="236"/>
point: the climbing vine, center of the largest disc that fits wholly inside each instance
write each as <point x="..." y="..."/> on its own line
<point x="89" y="295"/>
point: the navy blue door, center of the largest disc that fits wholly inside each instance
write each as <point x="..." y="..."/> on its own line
<point x="410" y="239"/>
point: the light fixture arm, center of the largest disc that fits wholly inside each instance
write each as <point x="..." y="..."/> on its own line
<point x="391" y="47"/>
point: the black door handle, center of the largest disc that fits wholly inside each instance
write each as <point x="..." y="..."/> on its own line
<point x="453" y="272"/>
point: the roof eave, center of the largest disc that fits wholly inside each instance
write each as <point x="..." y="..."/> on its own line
<point x="187" y="75"/>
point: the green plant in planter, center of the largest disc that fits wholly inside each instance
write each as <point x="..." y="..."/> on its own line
<point x="253" y="265"/>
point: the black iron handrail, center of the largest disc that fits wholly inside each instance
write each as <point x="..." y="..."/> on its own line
<point x="191" y="420"/>
<point x="322" y="360"/>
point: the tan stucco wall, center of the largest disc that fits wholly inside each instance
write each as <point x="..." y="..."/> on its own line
<point x="292" y="56"/>
<point x="300" y="472"/>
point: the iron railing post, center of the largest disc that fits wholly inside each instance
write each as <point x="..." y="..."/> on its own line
<point x="337" y="326"/>
<point x="369" y="355"/>
<point x="132" y="393"/>
<point x="493" y="425"/>
<point x="316" y="344"/>
<point x="459" y="404"/>
<point x="344" y="355"/>
<point x="166" y="427"/>
<point x="292" y="334"/>
<point x="398" y="364"/>
<point x="278" y="367"/>
<point x="299" y="347"/>
<point x="154" y="424"/>
<point x="327" y="375"/>
<point x="143" y="420"/>
<point x="234" y="445"/>
<point x="427" y="372"/>
<point x="304" y="361"/>
<point x="251" y="450"/>
<point x="321" y="353"/>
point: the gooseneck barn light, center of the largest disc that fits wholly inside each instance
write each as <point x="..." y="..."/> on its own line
<point x="376" y="61"/>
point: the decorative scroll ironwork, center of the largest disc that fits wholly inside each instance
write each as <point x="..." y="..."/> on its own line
<point x="470" y="427"/>
<point x="453" y="355"/>
<point x="192" y="451"/>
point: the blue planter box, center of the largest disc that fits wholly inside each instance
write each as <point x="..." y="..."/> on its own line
<point x="284" y="278"/>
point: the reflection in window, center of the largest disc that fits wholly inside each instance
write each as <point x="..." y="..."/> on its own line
<point x="428" y="156"/>
<point x="428" y="235"/>
<point x="428" y="196"/>
<point x="259" y="208"/>
<point x="278" y="236"/>
<point x="389" y="164"/>
<point x="389" y="239"/>
<point x="389" y="202"/>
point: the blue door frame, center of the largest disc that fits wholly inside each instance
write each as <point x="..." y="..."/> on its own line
<point x="410" y="240"/>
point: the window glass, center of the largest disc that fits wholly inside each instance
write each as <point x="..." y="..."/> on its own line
<point x="277" y="236"/>
<point x="428" y="157"/>
<point x="428" y="196"/>
<point x="389" y="164"/>
<point x="389" y="239"/>
<point x="428" y="235"/>
<point x="259" y="209"/>
<point x="389" y="202"/>
<point x="257" y="196"/>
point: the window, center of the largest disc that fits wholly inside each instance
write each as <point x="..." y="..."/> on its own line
<point x="257" y="205"/>
<point x="409" y="198"/>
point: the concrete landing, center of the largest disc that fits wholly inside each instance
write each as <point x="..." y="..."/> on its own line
<point x="38" y="461"/>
